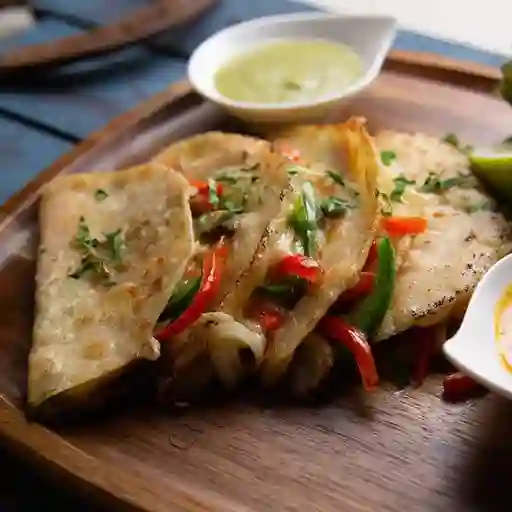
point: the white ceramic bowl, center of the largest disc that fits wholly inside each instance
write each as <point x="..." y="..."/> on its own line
<point x="474" y="348"/>
<point x="369" y="36"/>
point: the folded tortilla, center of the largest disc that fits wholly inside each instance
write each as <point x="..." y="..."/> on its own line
<point x="113" y="246"/>
<point x="240" y="164"/>
<point x="348" y="150"/>
<point x="235" y="161"/>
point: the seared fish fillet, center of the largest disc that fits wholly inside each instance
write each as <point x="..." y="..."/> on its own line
<point x="113" y="246"/>
<point x="438" y="269"/>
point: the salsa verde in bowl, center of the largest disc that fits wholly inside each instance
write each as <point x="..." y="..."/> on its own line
<point x="292" y="67"/>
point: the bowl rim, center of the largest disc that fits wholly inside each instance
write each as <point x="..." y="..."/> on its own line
<point x="296" y="17"/>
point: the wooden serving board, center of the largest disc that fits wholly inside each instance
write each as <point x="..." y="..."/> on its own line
<point x="392" y="450"/>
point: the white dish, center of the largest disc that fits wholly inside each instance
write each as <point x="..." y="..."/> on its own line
<point x="474" y="349"/>
<point x="369" y="36"/>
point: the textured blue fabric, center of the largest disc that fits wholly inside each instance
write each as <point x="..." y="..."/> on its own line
<point x="231" y="11"/>
<point x="420" y="43"/>
<point x="25" y="152"/>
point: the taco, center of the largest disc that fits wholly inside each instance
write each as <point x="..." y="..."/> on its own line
<point x="113" y="246"/>
<point x="238" y="184"/>
<point x="312" y="249"/>
<point x="318" y="243"/>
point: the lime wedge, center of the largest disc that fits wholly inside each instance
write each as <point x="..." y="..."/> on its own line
<point x="494" y="168"/>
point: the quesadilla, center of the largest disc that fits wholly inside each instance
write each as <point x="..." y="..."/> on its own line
<point x="238" y="186"/>
<point x="318" y="243"/>
<point x="112" y="248"/>
<point x="463" y="235"/>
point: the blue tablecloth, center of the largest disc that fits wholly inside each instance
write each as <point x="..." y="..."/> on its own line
<point x="38" y="124"/>
<point x="52" y="117"/>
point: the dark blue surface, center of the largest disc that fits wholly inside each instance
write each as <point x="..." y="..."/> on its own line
<point x="24" y="152"/>
<point x="420" y="43"/>
<point x="228" y="12"/>
<point x="84" y="97"/>
<point x="99" y="11"/>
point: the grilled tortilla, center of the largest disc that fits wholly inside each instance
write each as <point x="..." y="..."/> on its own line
<point x="245" y="184"/>
<point x="251" y="180"/>
<point x="337" y="177"/>
<point x="438" y="269"/>
<point x="113" y="245"/>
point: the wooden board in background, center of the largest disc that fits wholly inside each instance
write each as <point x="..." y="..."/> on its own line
<point x="389" y="451"/>
<point x="136" y="26"/>
<point x="86" y="96"/>
<point x="227" y="12"/>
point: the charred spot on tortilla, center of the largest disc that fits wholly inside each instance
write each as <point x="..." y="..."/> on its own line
<point x="465" y="233"/>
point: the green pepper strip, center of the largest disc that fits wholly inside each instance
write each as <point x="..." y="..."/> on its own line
<point x="181" y="299"/>
<point x="372" y="310"/>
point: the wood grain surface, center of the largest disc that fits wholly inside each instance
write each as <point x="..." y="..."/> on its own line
<point x="139" y="25"/>
<point x="388" y="451"/>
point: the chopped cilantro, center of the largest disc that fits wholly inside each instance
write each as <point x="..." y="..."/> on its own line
<point x="400" y="183"/>
<point x="100" y="194"/>
<point x="334" y="207"/>
<point x="453" y="140"/>
<point x="292" y="86"/>
<point x="114" y="244"/>
<point x="336" y="177"/>
<point x="387" y="157"/>
<point x="213" y="197"/>
<point x="434" y="185"/>
<point x="97" y="256"/>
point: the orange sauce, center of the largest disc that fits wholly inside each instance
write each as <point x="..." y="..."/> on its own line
<point x="503" y="328"/>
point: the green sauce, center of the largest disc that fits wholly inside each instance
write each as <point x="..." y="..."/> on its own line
<point x="289" y="71"/>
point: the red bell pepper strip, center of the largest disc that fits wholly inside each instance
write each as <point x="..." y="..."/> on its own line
<point x="200" y="202"/>
<point x="355" y="341"/>
<point x="296" y="265"/>
<point x="213" y="264"/>
<point x="270" y="319"/>
<point x="268" y="315"/>
<point x="203" y="187"/>
<point x="361" y="289"/>
<point x="292" y="154"/>
<point x="426" y="348"/>
<point x="459" y="387"/>
<point x="372" y="256"/>
<point x="399" y="226"/>
<point x="429" y="341"/>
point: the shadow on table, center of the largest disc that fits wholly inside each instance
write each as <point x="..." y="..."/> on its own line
<point x="21" y="489"/>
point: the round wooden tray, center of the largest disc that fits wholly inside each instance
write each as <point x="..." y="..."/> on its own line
<point x="392" y="450"/>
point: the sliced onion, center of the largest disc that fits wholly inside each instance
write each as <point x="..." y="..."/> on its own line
<point x="311" y="364"/>
<point x="227" y="341"/>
